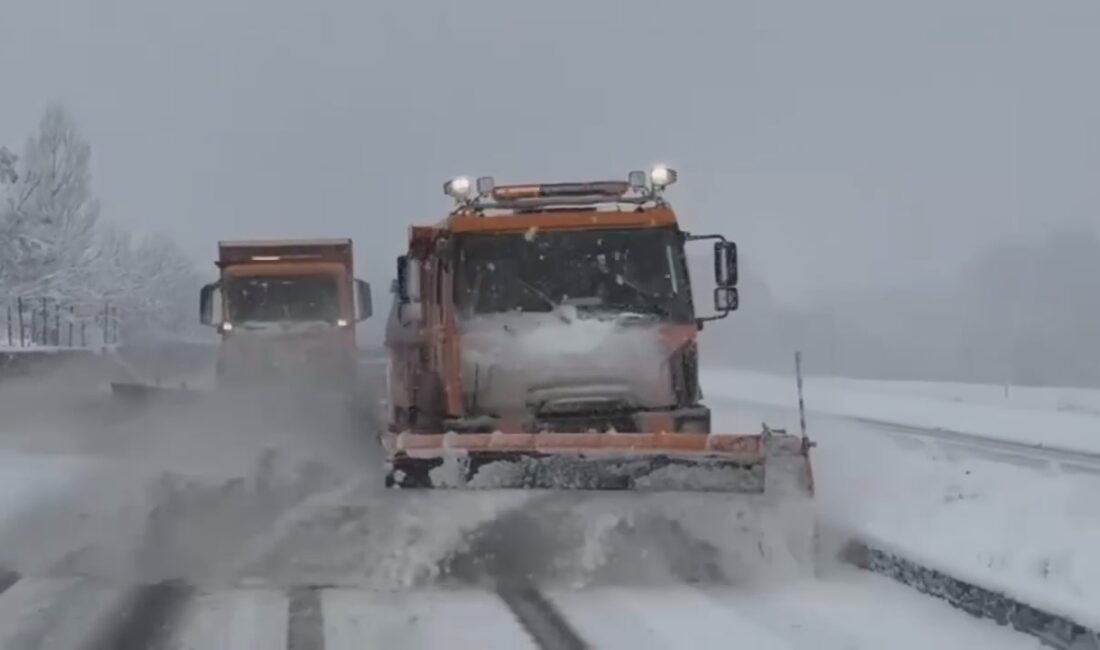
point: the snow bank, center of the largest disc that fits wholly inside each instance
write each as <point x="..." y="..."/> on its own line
<point x="1052" y="417"/>
<point x="1031" y="534"/>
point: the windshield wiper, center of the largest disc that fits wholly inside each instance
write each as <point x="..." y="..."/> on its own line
<point x="554" y="306"/>
<point x="653" y="300"/>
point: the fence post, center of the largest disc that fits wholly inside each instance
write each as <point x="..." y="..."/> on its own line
<point x="57" y="324"/>
<point x="72" y="315"/>
<point x="34" y="326"/>
<point x="801" y="402"/>
<point x="45" y="323"/>
<point x="106" y="324"/>
<point x="9" y="325"/>
<point x="22" y="329"/>
<point x="83" y="333"/>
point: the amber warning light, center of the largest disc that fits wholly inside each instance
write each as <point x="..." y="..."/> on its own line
<point x="647" y="186"/>
<point x="549" y="190"/>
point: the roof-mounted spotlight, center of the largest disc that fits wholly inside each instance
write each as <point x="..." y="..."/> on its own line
<point x="457" y="188"/>
<point x="485" y="185"/>
<point x="661" y="176"/>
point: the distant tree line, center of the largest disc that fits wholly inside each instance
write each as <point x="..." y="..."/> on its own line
<point x="1022" y="313"/>
<point x="55" y="247"/>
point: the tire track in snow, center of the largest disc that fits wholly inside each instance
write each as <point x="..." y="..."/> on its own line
<point x="305" y="620"/>
<point x="541" y="618"/>
<point x="146" y="618"/>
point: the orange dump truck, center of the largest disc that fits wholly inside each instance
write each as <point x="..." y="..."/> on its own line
<point x="286" y="308"/>
<point x="545" y="335"/>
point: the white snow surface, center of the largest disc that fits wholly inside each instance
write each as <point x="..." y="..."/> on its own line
<point x="438" y="619"/>
<point x="508" y="355"/>
<point x="1030" y="532"/>
<point x="843" y="611"/>
<point x="29" y="478"/>
<point x="1058" y="417"/>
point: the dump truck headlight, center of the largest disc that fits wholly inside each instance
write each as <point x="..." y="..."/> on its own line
<point x="661" y="176"/>
<point x="341" y="322"/>
<point x="227" y="326"/>
<point x="457" y="188"/>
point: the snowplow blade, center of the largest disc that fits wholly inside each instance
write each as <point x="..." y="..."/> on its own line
<point x="662" y="462"/>
<point x="142" y="393"/>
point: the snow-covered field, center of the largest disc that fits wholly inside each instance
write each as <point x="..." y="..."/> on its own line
<point x="1058" y="417"/>
<point x="1030" y="532"/>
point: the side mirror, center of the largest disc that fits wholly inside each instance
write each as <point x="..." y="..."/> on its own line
<point x="401" y="285"/>
<point x="206" y="304"/>
<point x="726" y="299"/>
<point x="725" y="263"/>
<point x="363" y="308"/>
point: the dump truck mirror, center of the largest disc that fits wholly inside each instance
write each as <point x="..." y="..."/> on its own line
<point x="726" y="299"/>
<point x="401" y="286"/>
<point x="725" y="264"/>
<point x="363" y="308"/>
<point x="206" y="304"/>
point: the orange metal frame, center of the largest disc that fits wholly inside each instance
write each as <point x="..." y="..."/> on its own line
<point x="747" y="448"/>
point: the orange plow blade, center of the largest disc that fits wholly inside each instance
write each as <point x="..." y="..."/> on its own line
<point x="583" y="461"/>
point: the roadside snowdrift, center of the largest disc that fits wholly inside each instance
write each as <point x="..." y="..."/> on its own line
<point x="1033" y="534"/>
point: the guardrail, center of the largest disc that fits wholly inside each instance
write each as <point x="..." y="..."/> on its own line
<point x="1076" y="459"/>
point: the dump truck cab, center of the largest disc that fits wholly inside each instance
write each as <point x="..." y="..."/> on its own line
<point x="563" y="307"/>
<point x="286" y="309"/>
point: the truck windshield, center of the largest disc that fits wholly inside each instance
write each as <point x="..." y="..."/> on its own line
<point x="267" y="299"/>
<point x="635" y="271"/>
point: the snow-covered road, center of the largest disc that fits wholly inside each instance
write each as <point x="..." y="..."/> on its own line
<point x="95" y="518"/>
<point x="848" y="610"/>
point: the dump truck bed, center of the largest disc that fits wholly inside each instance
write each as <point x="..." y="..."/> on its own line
<point x="243" y="252"/>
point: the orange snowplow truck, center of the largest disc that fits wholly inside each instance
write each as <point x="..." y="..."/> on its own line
<point x="545" y="336"/>
<point x="286" y="309"/>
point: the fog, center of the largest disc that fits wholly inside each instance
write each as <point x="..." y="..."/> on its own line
<point x="870" y="157"/>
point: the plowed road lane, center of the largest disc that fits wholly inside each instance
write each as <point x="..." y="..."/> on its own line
<point x="845" y="611"/>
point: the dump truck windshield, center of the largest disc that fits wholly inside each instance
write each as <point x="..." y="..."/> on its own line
<point x="635" y="271"/>
<point x="267" y="299"/>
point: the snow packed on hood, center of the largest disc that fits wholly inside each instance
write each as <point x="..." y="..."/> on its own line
<point x="506" y="356"/>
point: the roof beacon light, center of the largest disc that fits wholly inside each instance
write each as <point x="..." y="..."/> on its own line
<point x="559" y="190"/>
<point x="661" y="176"/>
<point x="457" y="188"/>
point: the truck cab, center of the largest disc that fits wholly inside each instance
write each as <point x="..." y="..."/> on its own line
<point x="561" y="307"/>
<point x="286" y="308"/>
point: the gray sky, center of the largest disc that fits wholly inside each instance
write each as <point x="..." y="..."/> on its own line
<point x="845" y="145"/>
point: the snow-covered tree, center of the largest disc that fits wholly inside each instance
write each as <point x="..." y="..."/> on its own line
<point x="49" y="214"/>
<point x="54" y="246"/>
<point x="8" y="175"/>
